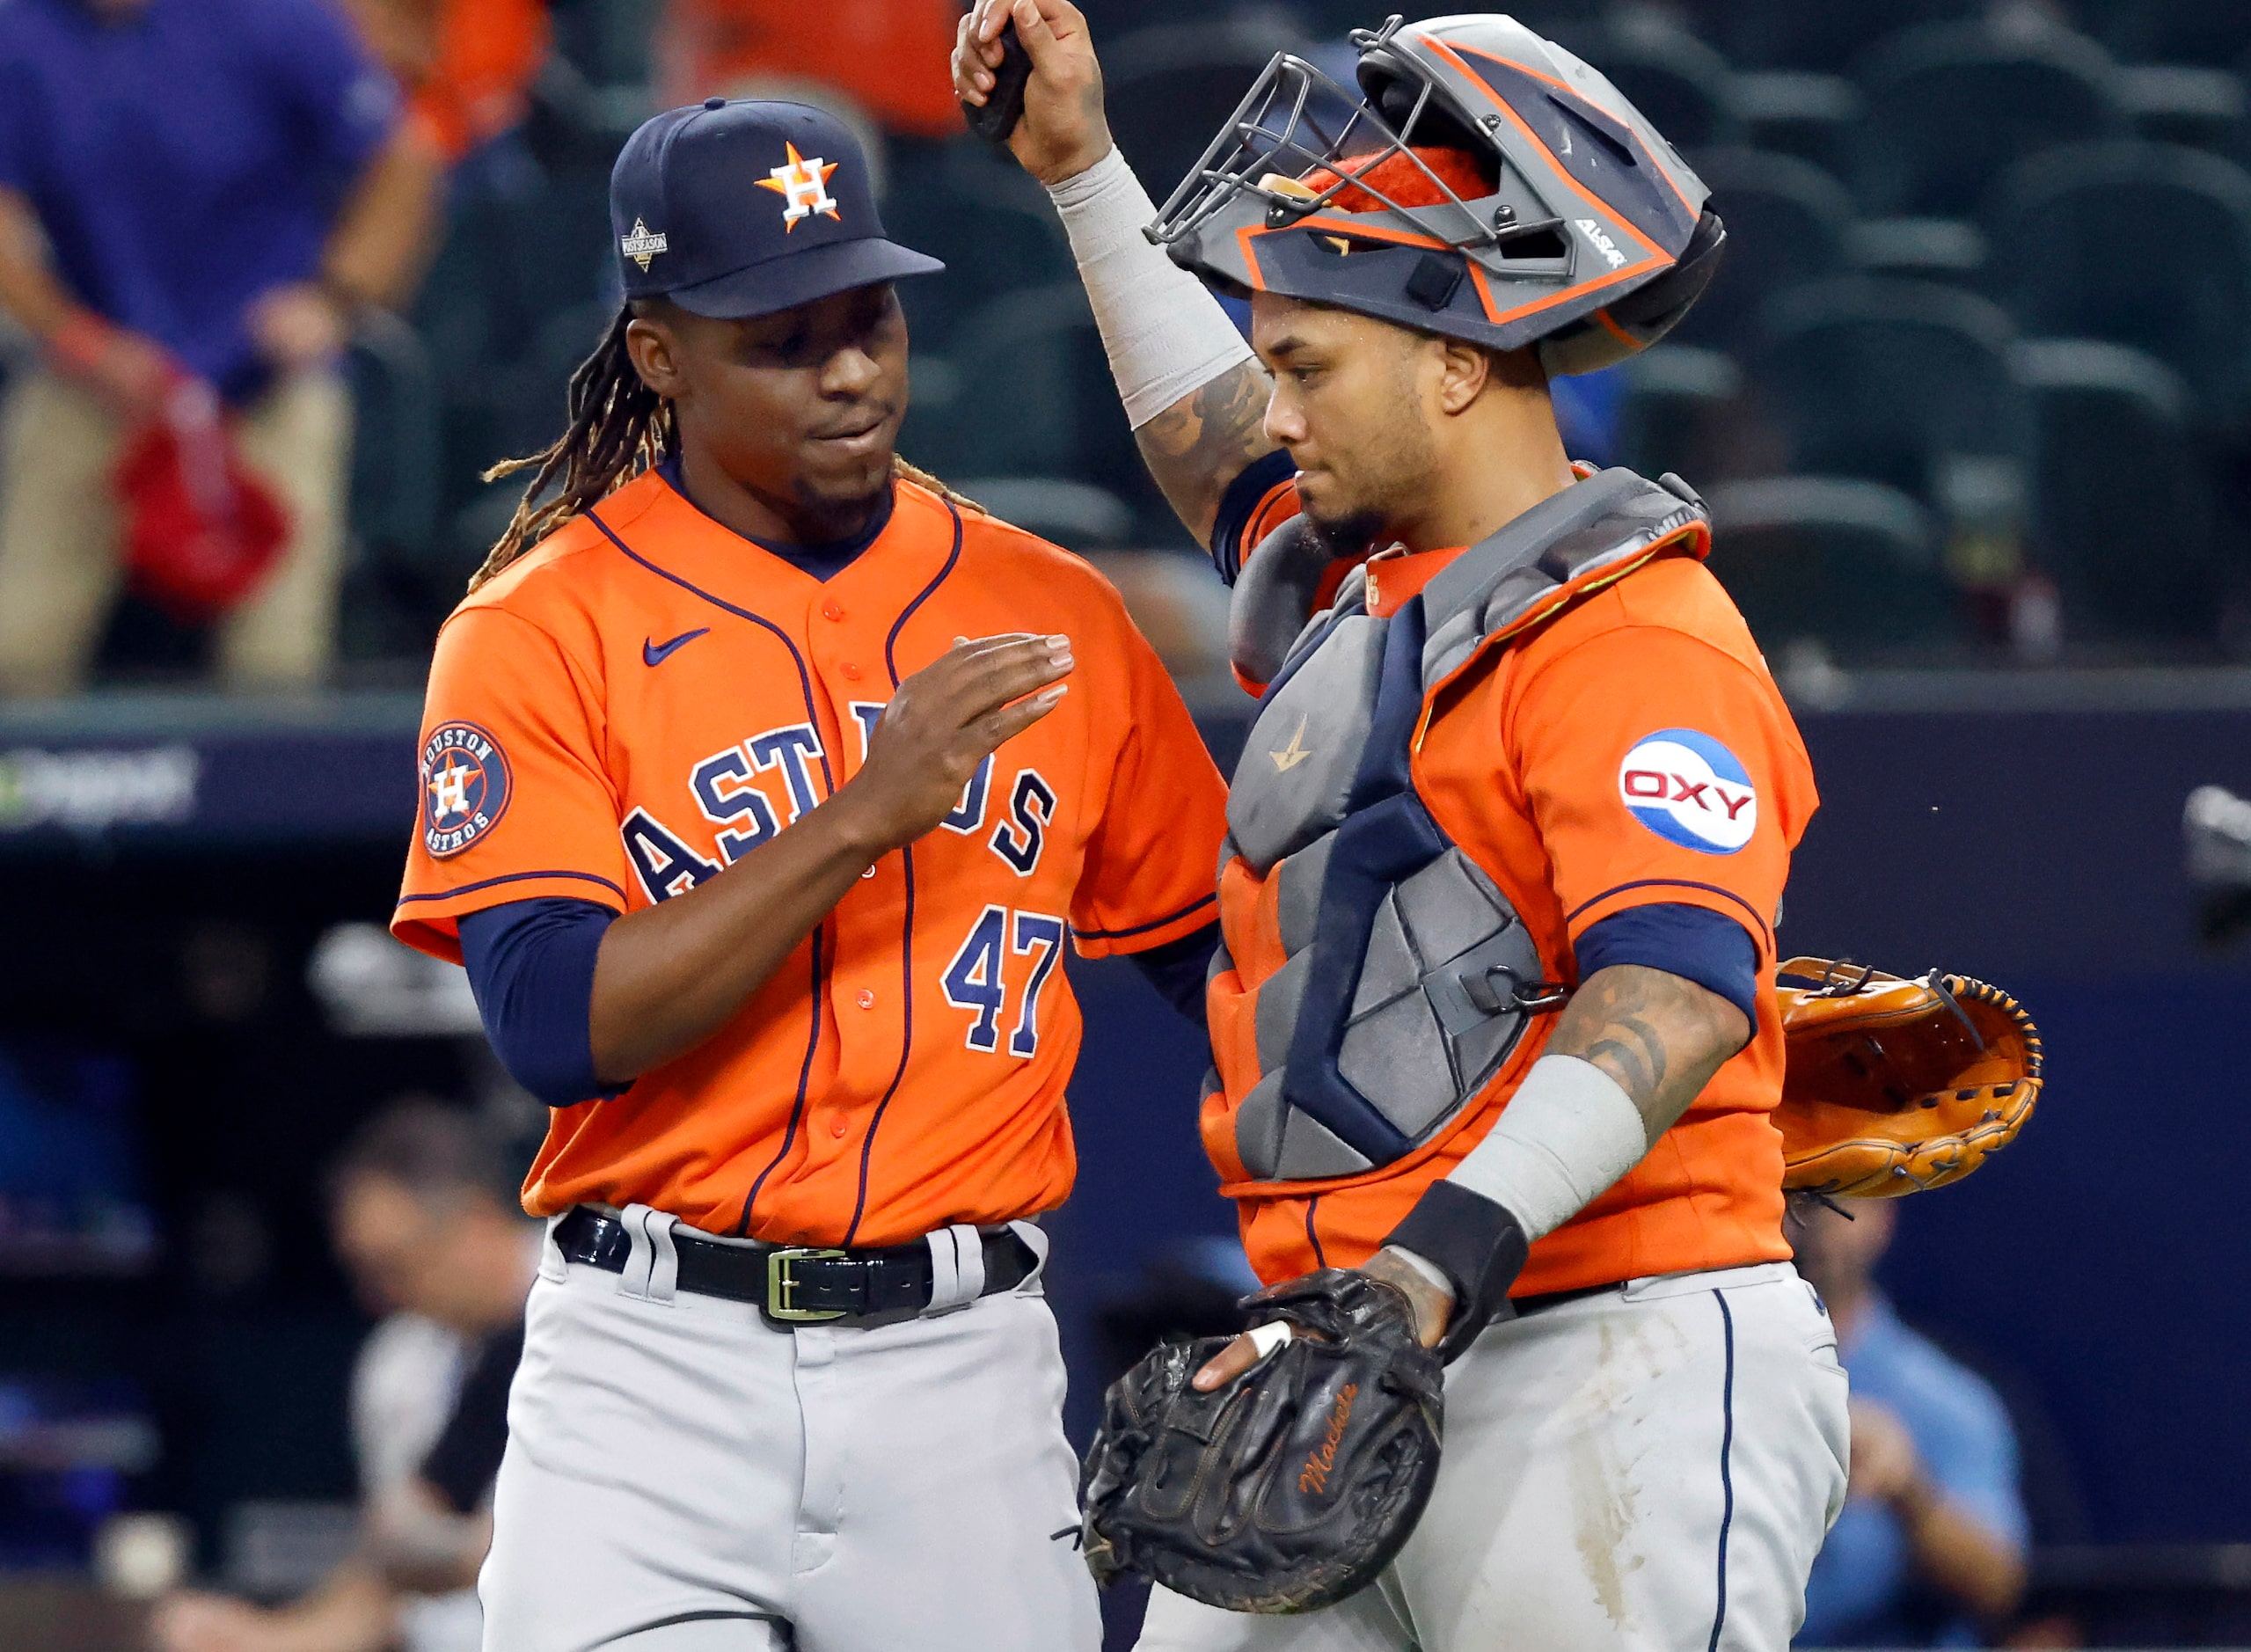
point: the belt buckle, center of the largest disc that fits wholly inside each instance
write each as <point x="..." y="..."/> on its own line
<point x="781" y="1285"/>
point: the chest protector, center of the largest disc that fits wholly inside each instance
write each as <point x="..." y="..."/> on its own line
<point x="1392" y="975"/>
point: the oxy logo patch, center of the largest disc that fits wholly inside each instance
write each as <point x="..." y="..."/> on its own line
<point x="1690" y="790"/>
<point x="464" y="787"/>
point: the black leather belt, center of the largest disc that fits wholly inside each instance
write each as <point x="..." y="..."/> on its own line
<point x="795" y="1284"/>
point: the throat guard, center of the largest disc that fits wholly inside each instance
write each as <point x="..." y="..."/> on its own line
<point x="1393" y="975"/>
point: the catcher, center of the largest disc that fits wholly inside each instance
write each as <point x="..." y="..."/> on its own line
<point x="1496" y="1031"/>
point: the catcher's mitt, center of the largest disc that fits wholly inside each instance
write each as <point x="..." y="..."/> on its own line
<point x="1892" y="1086"/>
<point x="1292" y="1486"/>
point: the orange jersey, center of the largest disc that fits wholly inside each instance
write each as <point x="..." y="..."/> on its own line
<point x="1632" y="751"/>
<point x="647" y="697"/>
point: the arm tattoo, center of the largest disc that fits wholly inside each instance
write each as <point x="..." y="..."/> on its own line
<point x="1639" y="1065"/>
<point x="1201" y="443"/>
<point x="1659" y="1037"/>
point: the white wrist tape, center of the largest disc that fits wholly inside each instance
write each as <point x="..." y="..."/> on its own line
<point x="1272" y="1334"/>
<point x="1165" y="334"/>
<point x="1565" y="1136"/>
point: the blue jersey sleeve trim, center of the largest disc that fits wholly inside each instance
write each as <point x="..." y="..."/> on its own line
<point x="530" y="964"/>
<point x="513" y="877"/>
<point x="1758" y="924"/>
<point x="1201" y="902"/>
<point x="1178" y="969"/>
<point x="1693" y="942"/>
<point x="1258" y="479"/>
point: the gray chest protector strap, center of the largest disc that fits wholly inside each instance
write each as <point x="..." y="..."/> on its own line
<point x="1408" y="976"/>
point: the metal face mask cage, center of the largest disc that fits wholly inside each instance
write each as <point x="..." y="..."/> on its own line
<point x="1254" y="149"/>
<point x="1226" y="219"/>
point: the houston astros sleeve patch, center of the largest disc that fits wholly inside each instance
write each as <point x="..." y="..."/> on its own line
<point x="1690" y="790"/>
<point x="464" y="787"/>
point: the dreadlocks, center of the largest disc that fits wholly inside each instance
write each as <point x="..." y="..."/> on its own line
<point x="618" y="427"/>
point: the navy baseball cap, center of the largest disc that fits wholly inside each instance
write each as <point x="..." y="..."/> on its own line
<point x="741" y="208"/>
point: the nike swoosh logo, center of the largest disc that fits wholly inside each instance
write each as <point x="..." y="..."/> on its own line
<point x="1295" y="753"/>
<point x="658" y="653"/>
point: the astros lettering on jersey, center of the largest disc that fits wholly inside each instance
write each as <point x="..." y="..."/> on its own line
<point x="1548" y="766"/>
<point x="646" y="698"/>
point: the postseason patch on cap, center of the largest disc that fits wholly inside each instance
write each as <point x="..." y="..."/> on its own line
<point x="1690" y="790"/>
<point x="464" y="787"/>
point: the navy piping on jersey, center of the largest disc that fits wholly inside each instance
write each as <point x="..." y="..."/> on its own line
<point x="1320" y="1259"/>
<point x="512" y="877"/>
<point x="891" y="642"/>
<point x="804" y="676"/>
<point x="829" y="782"/>
<point x="1726" y="1471"/>
<point x="1196" y="905"/>
<point x="797" y="1108"/>
<point x="1761" y="930"/>
<point x="907" y="935"/>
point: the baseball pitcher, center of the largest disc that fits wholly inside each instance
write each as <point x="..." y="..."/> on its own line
<point x="764" y="785"/>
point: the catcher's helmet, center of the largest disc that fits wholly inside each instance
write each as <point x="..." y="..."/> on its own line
<point x="1485" y="184"/>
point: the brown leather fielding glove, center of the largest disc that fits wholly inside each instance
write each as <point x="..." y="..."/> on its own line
<point x="1292" y="1486"/>
<point x="1893" y="1086"/>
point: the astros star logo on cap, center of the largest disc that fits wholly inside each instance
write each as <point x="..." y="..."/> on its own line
<point x="804" y="185"/>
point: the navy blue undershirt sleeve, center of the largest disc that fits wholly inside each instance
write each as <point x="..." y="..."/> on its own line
<point x="530" y="964"/>
<point x="1693" y="942"/>
<point x="1177" y="967"/>
<point x="1256" y="480"/>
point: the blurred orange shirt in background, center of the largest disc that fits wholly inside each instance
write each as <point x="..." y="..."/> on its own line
<point x="887" y="56"/>
<point x="465" y="65"/>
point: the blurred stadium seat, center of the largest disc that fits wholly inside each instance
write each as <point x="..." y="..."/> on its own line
<point x="1798" y="112"/>
<point x="1171" y="88"/>
<point x="395" y="466"/>
<point x="2124" y="516"/>
<point x="1787" y="223"/>
<point x="2143" y="244"/>
<point x="1678" y="82"/>
<point x="1067" y="513"/>
<point x="2171" y="31"/>
<point x="1852" y="563"/>
<point x="1950" y="106"/>
<point x="2206" y="108"/>
<point x="1031" y="397"/>
<point x="1679" y="411"/>
<point x="1829" y="35"/>
<point x="1929" y="249"/>
<point x="991" y="243"/>
<point x="1892" y="380"/>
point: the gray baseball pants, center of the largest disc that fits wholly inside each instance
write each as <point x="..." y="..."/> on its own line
<point x="1647" y="1471"/>
<point x="681" y="1477"/>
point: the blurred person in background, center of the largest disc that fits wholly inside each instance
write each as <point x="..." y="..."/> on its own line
<point x="427" y="1225"/>
<point x="466" y="66"/>
<point x="190" y="190"/>
<point x="1933" y="1539"/>
<point x="877" y="65"/>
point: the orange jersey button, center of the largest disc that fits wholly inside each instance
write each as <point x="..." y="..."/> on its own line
<point x="832" y="610"/>
<point x="866" y="999"/>
<point x="836" y="1125"/>
<point x="850" y="670"/>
